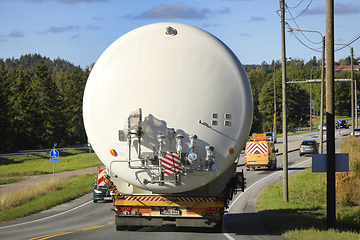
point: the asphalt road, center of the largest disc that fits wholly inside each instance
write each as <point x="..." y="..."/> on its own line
<point x="82" y="219"/>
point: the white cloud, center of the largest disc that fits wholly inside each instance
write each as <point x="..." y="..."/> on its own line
<point x="54" y="29"/>
<point x="16" y="34"/>
<point x="177" y="10"/>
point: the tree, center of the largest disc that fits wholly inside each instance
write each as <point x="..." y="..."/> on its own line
<point x="73" y="87"/>
<point x="18" y="110"/>
<point x="4" y="109"/>
<point x="43" y="107"/>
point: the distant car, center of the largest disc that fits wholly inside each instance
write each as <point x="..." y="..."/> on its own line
<point x="342" y="124"/>
<point x="324" y="127"/>
<point x="356" y="132"/>
<point x="270" y="136"/>
<point x="99" y="193"/>
<point x="100" y="188"/>
<point x="308" y="147"/>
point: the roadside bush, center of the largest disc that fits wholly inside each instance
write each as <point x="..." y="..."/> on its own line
<point x="347" y="183"/>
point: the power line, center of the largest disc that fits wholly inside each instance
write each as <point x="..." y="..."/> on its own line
<point x="293" y="19"/>
<point x="302" y="32"/>
<point x="314" y="49"/>
<point x="348" y="44"/>
<point x="296" y="5"/>
<point x="288" y="8"/>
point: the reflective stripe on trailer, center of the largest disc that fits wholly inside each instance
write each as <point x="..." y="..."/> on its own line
<point x="143" y="198"/>
<point x="179" y="199"/>
<point x="196" y="199"/>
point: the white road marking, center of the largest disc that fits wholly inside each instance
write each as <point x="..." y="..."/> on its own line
<point x="224" y="229"/>
<point x="41" y="219"/>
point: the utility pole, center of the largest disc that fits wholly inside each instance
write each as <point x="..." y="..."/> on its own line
<point x="311" y="100"/>
<point x="285" y="148"/>
<point x="352" y="90"/>
<point x="322" y="96"/>
<point x="274" y="130"/>
<point x="330" y="116"/>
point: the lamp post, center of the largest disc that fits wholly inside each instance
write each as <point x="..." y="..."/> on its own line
<point x="322" y="84"/>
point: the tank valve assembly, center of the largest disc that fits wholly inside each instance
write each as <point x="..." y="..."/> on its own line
<point x="210" y="157"/>
<point x="179" y="139"/>
<point x="161" y="139"/>
<point x="192" y="155"/>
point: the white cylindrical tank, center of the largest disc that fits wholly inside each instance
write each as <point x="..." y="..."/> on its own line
<point x="159" y="81"/>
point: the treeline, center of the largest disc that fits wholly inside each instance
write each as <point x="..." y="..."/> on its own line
<point x="298" y="95"/>
<point x="41" y="99"/>
<point x="40" y="103"/>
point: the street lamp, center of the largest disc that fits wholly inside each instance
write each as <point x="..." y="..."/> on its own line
<point x="322" y="82"/>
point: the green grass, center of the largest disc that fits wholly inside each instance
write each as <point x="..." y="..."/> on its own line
<point x="304" y="216"/>
<point x="45" y="196"/>
<point x="38" y="164"/>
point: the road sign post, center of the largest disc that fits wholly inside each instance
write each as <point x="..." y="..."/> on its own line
<point x="54" y="154"/>
<point x="339" y="122"/>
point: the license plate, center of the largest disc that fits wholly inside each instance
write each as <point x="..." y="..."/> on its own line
<point x="107" y="198"/>
<point x="171" y="212"/>
<point x="252" y="162"/>
<point x="307" y="148"/>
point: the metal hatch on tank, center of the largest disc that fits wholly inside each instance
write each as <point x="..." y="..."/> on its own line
<point x="168" y="108"/>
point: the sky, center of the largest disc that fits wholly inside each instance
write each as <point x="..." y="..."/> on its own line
<point x="79" y="31"/>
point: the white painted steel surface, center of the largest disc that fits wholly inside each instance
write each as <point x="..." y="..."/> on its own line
<point x="179" y="81"/>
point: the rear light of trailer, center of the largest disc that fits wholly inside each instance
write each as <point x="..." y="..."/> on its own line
<point x="123" y="209"/>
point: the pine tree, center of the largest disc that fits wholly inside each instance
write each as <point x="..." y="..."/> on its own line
<point x="43" y="106"/>
<point x="18" y="111"/>
<point x="4" y="119"/>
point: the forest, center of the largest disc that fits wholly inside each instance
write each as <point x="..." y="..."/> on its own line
<point x="41" y="99"/>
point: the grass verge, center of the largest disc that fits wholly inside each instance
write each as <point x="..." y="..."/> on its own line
<point x="14" y="169"/>
<point x="44" y="196"/>
<point x="304" y="216"/>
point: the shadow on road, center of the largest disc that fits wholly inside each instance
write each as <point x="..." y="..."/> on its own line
<point x="245" y="224"/>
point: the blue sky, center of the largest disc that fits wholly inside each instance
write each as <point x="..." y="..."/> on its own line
<point x="80" y="30"/>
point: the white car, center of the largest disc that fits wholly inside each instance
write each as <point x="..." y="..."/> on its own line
<point x="356" y="132"/>
<point x="324" y="127"/>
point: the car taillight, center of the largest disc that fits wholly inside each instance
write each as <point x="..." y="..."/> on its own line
<point x="210" y="210"/>
<point x="128" y="209"/>
<point x="301" y="146"/>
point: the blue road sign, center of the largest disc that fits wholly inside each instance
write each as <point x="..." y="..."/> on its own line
<point x="339" y="121"/>
<point x="54" y="160"/>
<point x="54" y="153"/>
